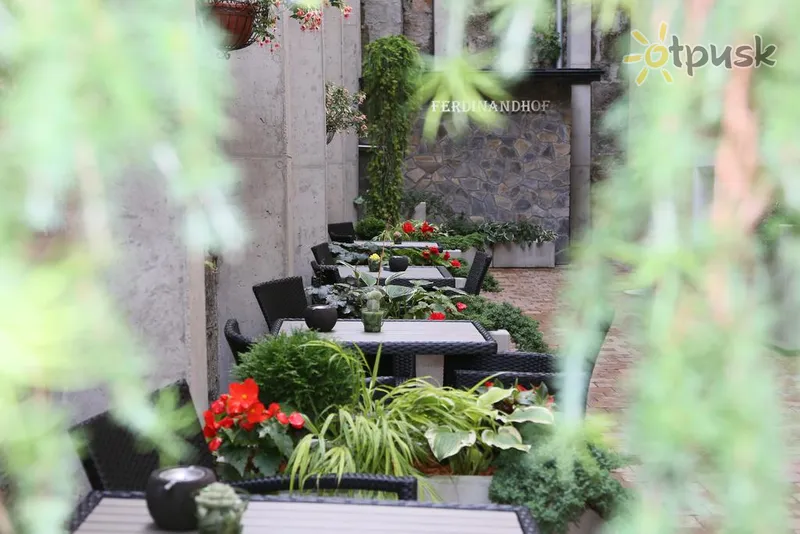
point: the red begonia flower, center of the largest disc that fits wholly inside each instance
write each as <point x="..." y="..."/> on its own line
<point x="218" y="406"/>
<point x="460" y="306"/>
<point x="446" y="255"/>
<point x="243" y="395"/>
<point x="256" y="413"/>
<point x="408" y="227"/>
<point x="211" y="426"/>
<point x="426" y="254"/>
<point x="282" y="418"/>
<point x="520" y="387"/>
<point x="214" y="444"/>
<point x="296" y="420"/>
<point x="437" y="316"/>
<point x="489" y="384"/>
<point x="455" y="263"/>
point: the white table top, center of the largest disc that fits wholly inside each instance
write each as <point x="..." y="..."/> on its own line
<point x="404" y="244"/>
<point x="275" y="517"/>
<point x="409" y="331"/>
<point x="413" y="272"/>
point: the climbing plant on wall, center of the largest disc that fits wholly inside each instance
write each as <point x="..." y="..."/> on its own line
<point x="392" y="68"/>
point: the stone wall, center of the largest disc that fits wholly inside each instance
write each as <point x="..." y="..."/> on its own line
<point x="517" y="171"/>
<point x="608" y="49"/>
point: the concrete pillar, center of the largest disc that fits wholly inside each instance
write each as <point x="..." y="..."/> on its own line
<point x="439" y="27"/>
<point x="342" y="42"/>
<point x="579" y="49"/>
<point x="351" y="73"/>
<point x="279" y="118"/>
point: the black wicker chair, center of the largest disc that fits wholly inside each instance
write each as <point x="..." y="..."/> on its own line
<point x="112" y="460"/>
<point x="284" y="298"/>
<point x="477" y="272"/>
<point x="404" y="487"/>
<point x="239" y="343"/>
<point x="344" y="232"/>
<point x="322" y="253"/>
<point x="325" y="274"/>
<point x="526" y="367"/>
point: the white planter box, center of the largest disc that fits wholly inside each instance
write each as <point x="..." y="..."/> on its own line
<point x="514" y="255"/>
<point x="466" y="255"/>
<point x="475" y="490"/>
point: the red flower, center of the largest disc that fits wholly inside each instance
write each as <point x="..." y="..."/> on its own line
<point x="437" y="316"/>
<point x="426" y="228"/>
<point x="256" y="413"/>
<point x="273" y="409"/>
<point x="460" y="306"/>
<point x="296" y="420"/>
<point x="426" y="254"/>
<point x="211" y="427"/>
<point x="214" y="444"/>
<point x="446" y="255"/>
<point x="217" y="407"/>
<point x="226" y="422"/>
<point x="282" y="418"/>
<point x="520" y="387"/>
<point x="434" y="250"/>
<point x="489" y="384"/>
<point x="408" y="227"/>
<point x="455" y="263"/>
<point x="243" y="396"/>
<point x="550" y="400"/>
<point x="246" y="425"/>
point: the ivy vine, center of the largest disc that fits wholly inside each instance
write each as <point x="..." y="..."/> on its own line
<point x="392" y="69"/>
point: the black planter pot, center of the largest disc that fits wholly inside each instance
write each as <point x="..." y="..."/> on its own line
<point x="170" y="496"/>
<point x="321" y="318"/>
<point x="398" y="263"/>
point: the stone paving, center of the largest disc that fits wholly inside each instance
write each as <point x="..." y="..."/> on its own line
<point x="536" y="292"/>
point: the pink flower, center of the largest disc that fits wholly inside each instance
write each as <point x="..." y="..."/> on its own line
<point x="460" y="306"/>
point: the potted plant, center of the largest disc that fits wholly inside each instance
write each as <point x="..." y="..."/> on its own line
<point x="374" y="263"/>
<point x="248" y="438"/>
<point x="342" y="111"/>
<point x="220" y="509"/>
<point x="372" y="314"/>
<point x="520" y="244"/>
<point x="397" y="237"/>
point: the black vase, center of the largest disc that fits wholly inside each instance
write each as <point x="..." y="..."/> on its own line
<point x="170" y="496"/>
<point x="398" y="263"/>
<point x="321" y="318"/>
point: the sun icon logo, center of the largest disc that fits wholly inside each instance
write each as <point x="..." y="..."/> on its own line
<point x="655" y="55"/>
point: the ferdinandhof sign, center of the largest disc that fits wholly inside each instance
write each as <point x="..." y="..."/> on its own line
<point x="505" y="106"/>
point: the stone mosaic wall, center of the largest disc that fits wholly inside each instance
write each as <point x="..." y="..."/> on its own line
<point x="518" y="171"/>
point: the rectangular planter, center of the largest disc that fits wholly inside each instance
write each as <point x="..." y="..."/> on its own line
<point x="474" y="490"/>
<point x="522" y="256"/>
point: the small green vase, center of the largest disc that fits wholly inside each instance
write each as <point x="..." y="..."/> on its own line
<point x="374" y="266"/>
<point x="373" y="321"/>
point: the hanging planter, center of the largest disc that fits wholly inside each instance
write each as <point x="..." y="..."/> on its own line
<point x="237" y="18"/>
<point x="245" y="22"/>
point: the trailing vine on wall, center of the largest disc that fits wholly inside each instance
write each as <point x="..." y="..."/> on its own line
<point x="392" y="68"/>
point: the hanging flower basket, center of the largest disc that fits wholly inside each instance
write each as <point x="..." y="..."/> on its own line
<point x="237" y="18"/>
<point x="249" y="21"/>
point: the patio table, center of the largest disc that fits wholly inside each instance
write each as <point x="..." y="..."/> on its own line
<point x="391" y="244"/>
<point x="428" y="342"/>
<point x="112" y="512"/>
<point x="437" y="275"/>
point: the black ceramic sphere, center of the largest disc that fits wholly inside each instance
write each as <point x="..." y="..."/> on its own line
<point x="321" y="318"/>
<point x="398" y="263"/>
<point x="170" y="496"/>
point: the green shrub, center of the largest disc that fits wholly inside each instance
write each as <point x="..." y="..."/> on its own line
<point x="520" y="232"/>
<point x="461" y="225"/>
<point x="462" y="242"/>
<point x="310" y="377"/>
<point x="369" y="227"/>
<point x="524" y="331"/>
<point x="555" y="501"/>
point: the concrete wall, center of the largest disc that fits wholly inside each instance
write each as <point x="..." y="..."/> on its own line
<point x="293" y="182"/>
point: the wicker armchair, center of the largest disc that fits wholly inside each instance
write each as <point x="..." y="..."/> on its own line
<point x="404" y="487"/>
<point x="284" y="298"/>
<point x="322" y="253"/>
<point x="113" y="462"/>
<point x="344" y="232"/>
<point x="238" y="343"/>
<point x="477" y="272"/>
<point x="325" y="274"/>
<point x="529" y="368"/>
